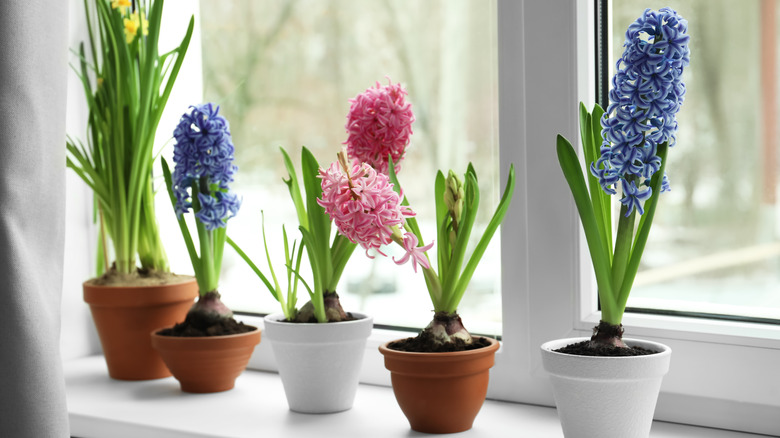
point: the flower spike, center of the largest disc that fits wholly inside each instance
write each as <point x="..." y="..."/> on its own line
<point x="379" y="124"/>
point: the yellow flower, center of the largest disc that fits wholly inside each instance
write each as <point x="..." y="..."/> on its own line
<point x="144" y="24"/>
<point x="121" y="4"/>
<point x="133" y="23"/>
<point x="131" y="27"/>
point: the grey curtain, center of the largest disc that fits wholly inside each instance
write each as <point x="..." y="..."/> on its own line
<point x="33" y="82"/>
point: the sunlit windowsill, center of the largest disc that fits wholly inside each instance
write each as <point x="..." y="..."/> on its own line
<point x="102" y="407"/>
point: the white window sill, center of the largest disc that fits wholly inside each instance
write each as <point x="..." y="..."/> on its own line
<point x="102" y="407"/>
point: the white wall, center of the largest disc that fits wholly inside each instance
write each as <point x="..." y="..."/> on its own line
<point x="78" y="333"/>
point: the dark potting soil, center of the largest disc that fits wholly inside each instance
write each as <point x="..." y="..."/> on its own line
<point x="221" y="327"/>
<point x="584" y="348"/>
<point x="424" y="343"/>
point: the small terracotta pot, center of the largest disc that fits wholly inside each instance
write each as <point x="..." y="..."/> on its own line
<point x="206" y="363"/>
<point x="124" y="316"/>
<point x="440" y="392"/>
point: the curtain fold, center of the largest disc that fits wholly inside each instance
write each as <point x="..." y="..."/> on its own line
<point x="33" y="81"/>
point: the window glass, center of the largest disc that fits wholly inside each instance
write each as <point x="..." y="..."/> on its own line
<point x="283" y="73"/>
<point x="715" y="244"/>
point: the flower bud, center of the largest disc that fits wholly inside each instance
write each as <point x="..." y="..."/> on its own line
<point x="453" y="196"/>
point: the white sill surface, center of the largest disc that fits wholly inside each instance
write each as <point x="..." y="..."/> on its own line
<point x="101" y="407"/>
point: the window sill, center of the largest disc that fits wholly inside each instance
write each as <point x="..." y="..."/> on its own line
<point x="100" y="406"/>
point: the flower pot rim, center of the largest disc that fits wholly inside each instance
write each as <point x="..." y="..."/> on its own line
<point x="277" y="318"/>
<point x="665" y="350"/>
<point x="120" y="296"/>
<point x="385" y="350"/>
<point x="155" y="334"/>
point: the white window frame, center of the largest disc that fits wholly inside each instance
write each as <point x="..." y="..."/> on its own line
<point x="723" y="374"/>
<point x="545" y="68"/>
<point x="546" y="65"/>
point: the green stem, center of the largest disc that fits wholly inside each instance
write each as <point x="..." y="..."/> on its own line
<point x="623" y="241"/>
<point x="643" y="230"/>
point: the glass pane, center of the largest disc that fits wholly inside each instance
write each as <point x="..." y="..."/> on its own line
<point x="715" y="242"/>
<point x="284" y="71"/>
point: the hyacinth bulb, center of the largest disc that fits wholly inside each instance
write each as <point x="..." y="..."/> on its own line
<point x="379" y="124"/>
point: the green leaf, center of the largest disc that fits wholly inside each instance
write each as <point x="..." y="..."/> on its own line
<point x="317" y="295"/>
<point x="341" y="251"/>
<point x="605" y="200"/>
<point x="295" y="190"/>
<point x="484" y="241"/>
<point x="443" y="249"/>
<point x="268" y="257"/>
<point x="570" y="165"/>
<point x="411" y="222"/>
<point x="643" y="230"/>
<point x="467" y="219"/>
<point x="470" y="171"/>
<point x="623" y="239"/>
<point x="319" y="222"/>
<point x="185" y="232"/>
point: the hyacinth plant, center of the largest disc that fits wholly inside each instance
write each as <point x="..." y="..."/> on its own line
<point x="626" y="148"/>
<point x="369" y="208"/>
<point x="327" y="257"/>
<point x="132" y="83"/>
<point x="379" y="127"/>
<point x="203" y="157"/>
<point x="366" y="203"/>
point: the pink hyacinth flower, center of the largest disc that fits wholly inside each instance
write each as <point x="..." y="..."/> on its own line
<point x="379" y="123"/>
<point x="362" y="204"/>
<point x="414" y="252"/>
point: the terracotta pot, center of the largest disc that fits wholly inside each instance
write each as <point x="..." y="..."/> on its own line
<point x="124" y="316"/>
<point x="206" y="363"/>
<point x="440" y="392"/>
<point x="319" y="364"/>
<point x="606" y="397"/>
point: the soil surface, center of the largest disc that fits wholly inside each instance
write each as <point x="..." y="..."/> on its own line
<point x="221" y="327"/>
<point x="424" y="343"/>
<point x="313" y="319"/>
<point x="138" y="278"/>
<point x="586" y="348"/>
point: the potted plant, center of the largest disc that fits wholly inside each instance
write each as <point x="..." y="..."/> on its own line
<point x="209" y="349"/>
<point x="606" y="377"/>
<point x="127" y="83"/>
<point x="439" y="377"/>
<point x="321" y="339"/>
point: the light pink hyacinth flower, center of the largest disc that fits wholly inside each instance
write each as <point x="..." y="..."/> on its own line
<point x="379" y="123"/>
<point x="414" y="252"/>
<point x="365" y="209"/>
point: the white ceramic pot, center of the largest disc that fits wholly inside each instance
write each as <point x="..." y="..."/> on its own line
<point x="319" y="363"/>
<point x="605" y="397"/>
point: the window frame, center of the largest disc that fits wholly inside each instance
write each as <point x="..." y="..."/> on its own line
<point x="561" y="289"/>
<point x="546" y="295"/>
<point x="545" y="56"/>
